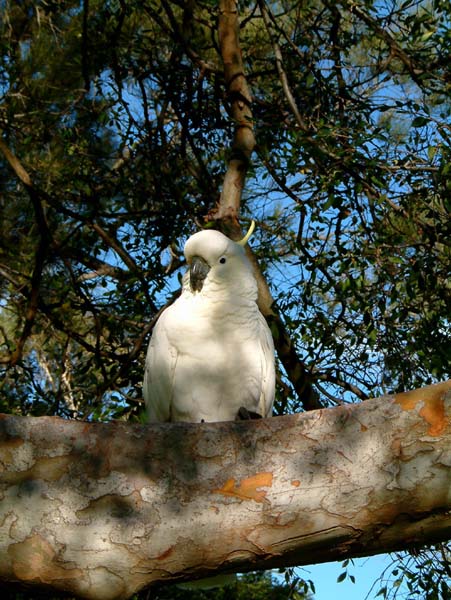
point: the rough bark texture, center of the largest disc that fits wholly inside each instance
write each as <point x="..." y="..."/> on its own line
<point x="102" y="510"/>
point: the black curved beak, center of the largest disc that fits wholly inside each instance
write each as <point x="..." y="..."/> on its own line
<point x="197" y="273"/>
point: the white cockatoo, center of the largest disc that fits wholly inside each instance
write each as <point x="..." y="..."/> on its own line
<point x="211" y="355"/>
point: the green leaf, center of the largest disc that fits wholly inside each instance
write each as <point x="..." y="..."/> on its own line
<point x="420" y="121"/>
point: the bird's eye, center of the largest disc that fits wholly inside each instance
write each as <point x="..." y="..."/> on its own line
<point x="222" y="260"/>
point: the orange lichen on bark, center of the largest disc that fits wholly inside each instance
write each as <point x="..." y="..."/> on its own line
<point x="166" y="553"/>
<point x="434" y="413"/>
<point x="296" y="483"/>
<point x="433" y="409"/>
<point x="247" y="489"/>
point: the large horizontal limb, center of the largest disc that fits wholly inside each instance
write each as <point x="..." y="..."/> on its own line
<point x="103" y="510"/>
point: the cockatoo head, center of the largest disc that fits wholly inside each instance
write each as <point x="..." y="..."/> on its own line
<point x="215" y="260"/>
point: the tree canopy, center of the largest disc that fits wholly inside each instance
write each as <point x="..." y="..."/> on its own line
<point x="115" y="132"/>
<point x="116" y="124"/>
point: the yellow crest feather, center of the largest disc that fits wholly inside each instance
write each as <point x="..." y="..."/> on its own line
<point x="246" y="238"/>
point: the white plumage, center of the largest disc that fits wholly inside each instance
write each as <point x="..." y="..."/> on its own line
<point x="211" y="352"/>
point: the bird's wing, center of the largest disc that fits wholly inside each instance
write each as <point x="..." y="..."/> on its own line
<point x="268" y="369"/>
<point x="158" y="385"/>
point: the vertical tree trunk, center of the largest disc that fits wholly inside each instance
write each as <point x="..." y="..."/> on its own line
<point x="238" y="99"/>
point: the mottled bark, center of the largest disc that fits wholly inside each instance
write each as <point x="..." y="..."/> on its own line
<point x="103" y="510"/>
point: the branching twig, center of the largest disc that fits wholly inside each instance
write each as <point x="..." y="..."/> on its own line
<point x="281" y="71"/>
<point x="395" y="49"/>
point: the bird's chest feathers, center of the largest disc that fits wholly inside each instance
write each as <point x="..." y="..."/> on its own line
<point x="198" y="320"/>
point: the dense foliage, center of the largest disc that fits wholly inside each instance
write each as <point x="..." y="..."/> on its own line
<point x="115" y="131"/>
<point x="251" y="586"/>
<point x="115" y="111"/>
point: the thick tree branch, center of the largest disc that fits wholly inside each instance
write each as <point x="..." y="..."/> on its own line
<point x="100" y="511"/>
